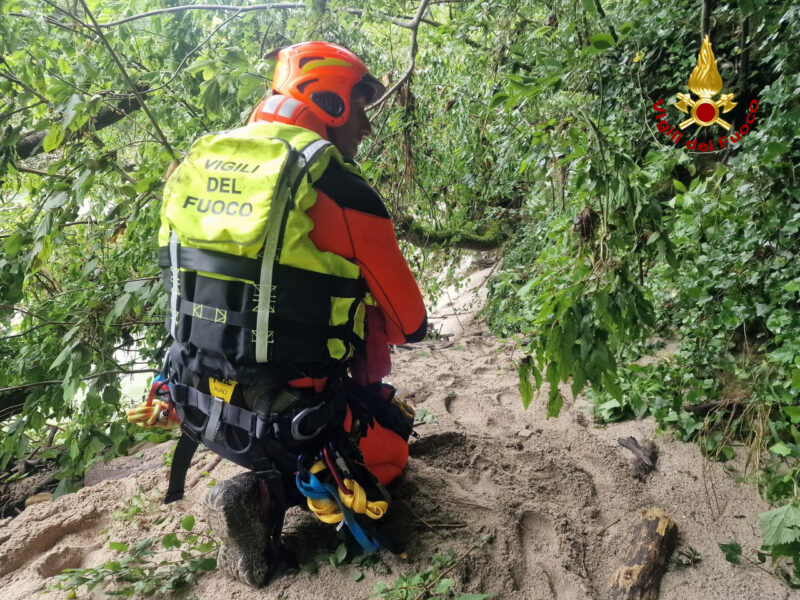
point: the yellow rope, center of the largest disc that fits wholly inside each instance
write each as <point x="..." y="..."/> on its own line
<point x="328" y="511"/>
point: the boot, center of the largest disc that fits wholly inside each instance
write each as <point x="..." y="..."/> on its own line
<point x="234" y="513"/>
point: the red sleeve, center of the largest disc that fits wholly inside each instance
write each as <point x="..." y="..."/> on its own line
<point x="369" y="241"/>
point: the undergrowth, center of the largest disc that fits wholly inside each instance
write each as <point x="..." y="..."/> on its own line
<point x="141" y="570"/>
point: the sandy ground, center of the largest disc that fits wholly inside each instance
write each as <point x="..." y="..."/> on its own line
<point x="557" y="499"/>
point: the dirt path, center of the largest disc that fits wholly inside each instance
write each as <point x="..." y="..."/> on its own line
<point x="557" y="499"/>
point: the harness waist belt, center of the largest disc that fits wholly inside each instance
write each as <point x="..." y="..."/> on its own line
<point x="310" y="418"/>
<point x="210" y="261"/>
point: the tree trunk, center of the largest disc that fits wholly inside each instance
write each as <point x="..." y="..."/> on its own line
<point x="639" y="577"/>
<point x="31" y="145"/>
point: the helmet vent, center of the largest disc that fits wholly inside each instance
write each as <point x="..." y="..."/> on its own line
<point x="307" y="59"/>
<point x="301" y="87"/>
<point x="329" y="102"/>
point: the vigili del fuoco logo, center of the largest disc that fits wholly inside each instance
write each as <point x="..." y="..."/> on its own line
<point x="705" y="83"/>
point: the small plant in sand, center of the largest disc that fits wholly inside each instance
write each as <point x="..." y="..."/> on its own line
<point x="136" y="505"/>
<point x="140" y="572"/>
<point x="432" y="583"/>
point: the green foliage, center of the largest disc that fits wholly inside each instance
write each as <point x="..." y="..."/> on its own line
<point x="628" y="237"/>
<point x="732" y="552"/>
<point x="140" y="572"/>
<point x="528" y="124"/>
<point x="422" y="415"/>
<point x="684" y="558"/>
<point x="430" y="583"/>
<point x="136" y="505"/>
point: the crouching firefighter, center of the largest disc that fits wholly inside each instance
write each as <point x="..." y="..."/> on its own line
<point x="282" y="271"/>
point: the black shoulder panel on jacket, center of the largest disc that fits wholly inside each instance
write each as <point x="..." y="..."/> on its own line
<point x="350" y="191"/>
<point x="420" y="333"/>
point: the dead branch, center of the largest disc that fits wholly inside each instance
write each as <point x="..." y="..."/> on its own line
<point x="131" y="85"/>
<point x="714" y="405"/>
<point x="646" y="455"/>
<point x="31" y="145"/>
<point x="413" y="25"/>
<point x="175" y="9"/>
<point x="26" y="386"/>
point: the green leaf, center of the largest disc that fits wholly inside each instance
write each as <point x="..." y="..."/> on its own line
<point x="65" y="353"/>
<point x="53" y="139"/>
<point x="69" y="111"/>
<point x="356" y="575"/>
<point x="554" y="402"/>
<point x="473" y="597"/>
<point x="526" y="368"/>
<point x="602" y="41"/>
<point x="119" y="307"/>
<point x="732" y="552"/>
<point x="793" y="412"/>
<point x="780" y="525"/>
<point x="679" y="186"/>
<point x="746" y="6"/>
<point x="211" y="97"/>
<point x="56" y="201"/>
<point x="443" y="586"/>
<point x="118" y="546"/>
<point x="792" y="286"/>
<point x="199" y="65"/>
<point x="235" y="57"/>
<point x="775" y="150"/>
<point x="13" y="244"/>
<point x="781" y="449"/>
<point x="187" y="522"/>
<point x="248" y="85"/>
<point x="498" y="99"/>
<point x="170" y="541"/>
<point x="207" y="564"/>
<point x="205" y="547"/>
<point x="341" y="554"/>
<point x="589" y="7"/>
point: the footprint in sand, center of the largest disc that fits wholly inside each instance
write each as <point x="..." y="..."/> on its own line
<point x="67" y="557"/>
<point x="543" y="578"/>
<point x="463" y="409"/>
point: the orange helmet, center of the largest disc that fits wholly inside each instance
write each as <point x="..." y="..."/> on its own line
<point x="322" y="76"/>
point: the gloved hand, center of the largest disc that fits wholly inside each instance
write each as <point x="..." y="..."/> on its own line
<point x="156" y="413"/>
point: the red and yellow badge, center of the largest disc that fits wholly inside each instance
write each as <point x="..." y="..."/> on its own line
<point x="706" y="83"/>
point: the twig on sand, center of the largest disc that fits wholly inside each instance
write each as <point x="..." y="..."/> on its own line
<point x="470" y="504"/>
<point x="434" y="526"/>
<point x="609" y="526"/>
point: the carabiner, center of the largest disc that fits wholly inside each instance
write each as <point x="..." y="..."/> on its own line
<point x="299" y="417"/>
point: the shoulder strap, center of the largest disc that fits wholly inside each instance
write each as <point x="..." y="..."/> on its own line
<point x="296" y="167"/>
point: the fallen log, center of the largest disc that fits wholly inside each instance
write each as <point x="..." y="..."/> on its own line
<point x="31" y="145"/>
<point x="701" y="410"/>
<point x="639" y="578"/>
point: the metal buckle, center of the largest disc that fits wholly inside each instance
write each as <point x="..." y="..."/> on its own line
<point x="299" y="417"/>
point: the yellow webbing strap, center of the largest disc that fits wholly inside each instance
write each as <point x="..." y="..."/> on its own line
<point x="358" y="503"/>
<point x="328" y="511"/>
